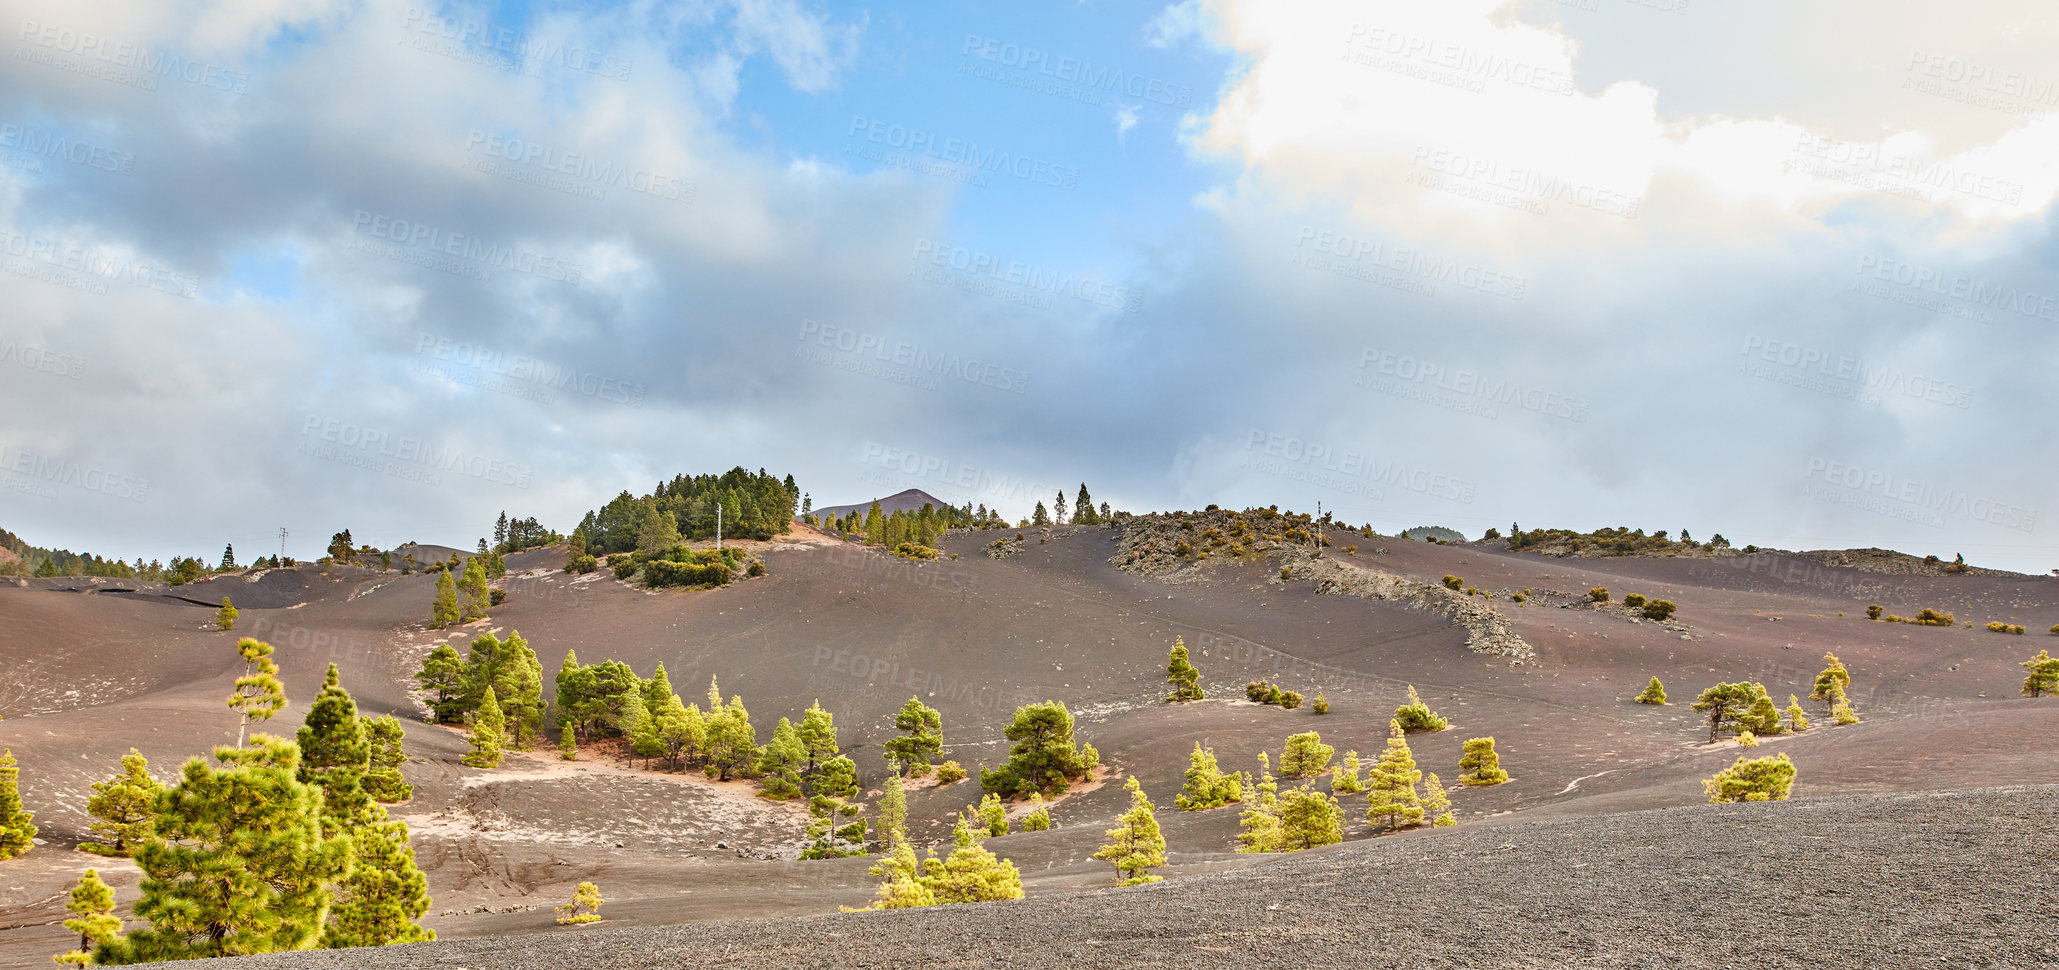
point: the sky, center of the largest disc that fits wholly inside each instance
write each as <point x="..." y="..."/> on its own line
<point x="1776" y="271"/>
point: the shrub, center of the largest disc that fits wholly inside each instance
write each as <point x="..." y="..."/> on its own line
<point x="2000" y="627"/>
<point x="950" y="771"/>
<point x="757" y="568"/>
<point x="1930" y="617"/>
<point x="2054" y="630"/>
<point x="1257" y="691"/>
<point x="582" y="564"/>
<point x="1207" y="786"/>
<point x="1873" y="612"/>
<point x="1654" y="693"/>
<point x="588" y="897"/>
<point x="1518" y="597"/>
<point x="1754" y="780"/>
<point x="1289" y="699"/>
<point x="1599" y="594"/>
<point x="1416" y="716"/>
<point x="1039" y="817"/>
<point x="1480" y="765"/>
<point x="1659" y="609"/>
<point x="660" y="573"/>
<point x="1321" y="704"/>
<point x="910" y="550"/>
<point x="1181" y="548"/>
<point x="1633" y="600"/>
<point x="1453" y="582"/>
<point x="624" y="567"/>
<point x="497" y="597"/>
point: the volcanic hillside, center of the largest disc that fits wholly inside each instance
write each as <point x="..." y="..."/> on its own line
<point x="907" y="500"/>
<point x="1086" y="615"/>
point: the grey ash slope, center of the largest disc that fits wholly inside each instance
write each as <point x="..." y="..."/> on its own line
<point x="1923" y="879"/>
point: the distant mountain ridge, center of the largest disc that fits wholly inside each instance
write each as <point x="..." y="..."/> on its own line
<point x="909" y="500"/>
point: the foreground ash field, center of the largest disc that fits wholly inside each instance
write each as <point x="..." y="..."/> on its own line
<point x="1920" y="835"/>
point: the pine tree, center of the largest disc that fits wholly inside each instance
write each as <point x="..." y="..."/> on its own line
<point x="500" y="531"/>
<point x="443" y="611"/>
<point x="573" y="683"/>
<point x="1306" y="756"/>
<point x="383" y="780"/>
<point x="1416" y="716"/>
<point x="93" y="919"/>
<point x="990" y="817"/>
<point x="1654" y="693"/>
<point x="1726" y="704"/>
<point x="228" y="558"/>
<point x="1321" y="704"/>
<point x="829" y="835"/>
<point x="1038" y="819"/>
<point x="489" y="729"/>
<point x="1059" y="509"/>
<point x="838" y="777"/>
<point x="1083" y="508"/>
<point x="1045" y="758"/>
<point x="640" y="726"/>
<point x="475" y="598"/>
<point x="1135" y="845"/>
<point x="1797" y="719"/>
<point x="971" y="873"/>
<point x="1480" y="765"/>
<point x="518" y="680"/>
<point x="1437" y="802"/>
<point x="225" y="618"/>
<point x="568" y="744"/>
<point x="1182" y="674"/>
<point x="893" y="811"/>
<point x="1344" y="780"/>
<point x="1309" y="818"/>
<point x="1832" y="683"/>
<point x="923" y="736"/>
<point x="258" y="695"/>
<point x="1391" y="796"/>
<point x="732" y="742"/>
<point x="1207" y="786"/>
<point x="123" y="806"/>
<point x="1763" y="717"/>
<point x="238" y="864"/>
<point x="1259" y="824"/>
<point x="779" y="764"/>
<point x="385" y="892"/>
<point x="818" y="735"/>
<point x="333" y="738"/>
<point x="587" y="897"/>
<point x="1040" y="516"/>
<point x="17" y="827"/>
<point x="2044" y="675"/>
<point x="1754" y="780"/>
<point x="443" y="672"/>
<point x="903" y="888"/>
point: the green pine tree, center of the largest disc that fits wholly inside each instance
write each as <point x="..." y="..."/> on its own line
<point x="1182" y="674"/>
<point x="993" y="816"/>
<point x="489" y="733"/>
<point x="1309" y="818"/>
<point x="2044" y="675"/>
<point x="1344" y="779"/>
<point x="238" y="862"/>
<point x="1480" y="765"/>
<point x="1135" y="845"/>
<point x="383" y="892"/>
<point x="1437" y="802"/>
<point x="818" y="735"/>
<point x="903" y="887"/>
<point x="17" y="827"/>
<point x="443" y="674"/>
<point x="258" y="695"/>
<point x="1045" y="758"/>
<point x="122" y="807"/>
<point x="922" y="739"/>
<point x="893" y="811"/>
<point x="383" y="780"/>
<point x="1754" y="780"/>
<point x="1207" y="786"/>
<point x="586" y="896"/>
<point x="568" y="743"/>
<point x="838" y="777"/>
<point x="518" y="681"/>
<point x="443" y="611"/>
<point x="971" y="873"/>
<point x="1306" y="756"/>
<point x="1797" y="719"/>
<point x="1728" y="704"/>
<point x="1391" y="797"/>
<point x="333" y="737"/>
<point x="225" y="618"/>
<point x="1416" y="716"/>
<point x="779" y="763"/>
<point x="1654" y="693"/>
<point x="1831" y="684"/>
<point x="93" y="919"/>
<point x="1259" y="824"/>
<point x="1038" y="819"/>
<point x="473" y="596"/>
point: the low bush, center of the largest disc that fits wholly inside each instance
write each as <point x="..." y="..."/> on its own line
<point x="950" y="771"/>
<point x="1659" y="609"/>
<point x="660" y="573"/>
<point x="1930" y="617"/>
<point x="1290" y="699"/>
<point x="1599" y="594"/>
<point x="757" y="568"/>
<point x="497" y="597"/>
<point x="1873" y="612"/>
<point x="1453" y="582"/>
<point x="2000" y="627"/>
<point x="624" y="567"/>
<point x="1634" y="600"/>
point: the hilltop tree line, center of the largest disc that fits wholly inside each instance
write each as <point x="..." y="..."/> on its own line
<point x="754" y="506"/>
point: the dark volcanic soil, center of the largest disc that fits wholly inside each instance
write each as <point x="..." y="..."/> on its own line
<point x="1906" y="880"/>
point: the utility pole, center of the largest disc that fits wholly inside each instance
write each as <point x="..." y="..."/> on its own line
<point x="718" y="525"/>
<point x="282" y="543"/>
<point x="1319" y="527"/>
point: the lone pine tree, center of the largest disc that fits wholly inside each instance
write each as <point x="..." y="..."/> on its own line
<point x="17" y="827"/>
<point x="1306" y="756"/>
<point x="1135" y="845"/>
<point x="258" y="695"/>
<point x="1437" y="802"/>
<point x="992" y="816"/>
<point x="443" y="610"/>
<point x="225" y="618"/>
<point x="1391" y="797"/>
<point x="1416" y="716"/>
<point x="122" y="806"/>
<point x="92" y="906"/>
<point x="1207" y="786"/>
<point x="1832" y="683"/>
<point x="1727" y="704"/>
<point x="1182" y="674"/>
<point x="2044" y="675"/>
<point x="922" y="736"/>
<point x="1479" y="765"/>
<point x="1797" y="719"/>
<point x="488" y="734"/>
<point x="585" y="906"/>
<point x="1654" y="693"/>
<point x="1045" y="758"/>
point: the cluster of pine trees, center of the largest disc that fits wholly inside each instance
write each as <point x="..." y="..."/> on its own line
<point x="891" y="529"/>
<point x="28" y="560"/>
<point x="753" y="506"/>
<point x="278" y="844"/>
<point x="515" y="535"/>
